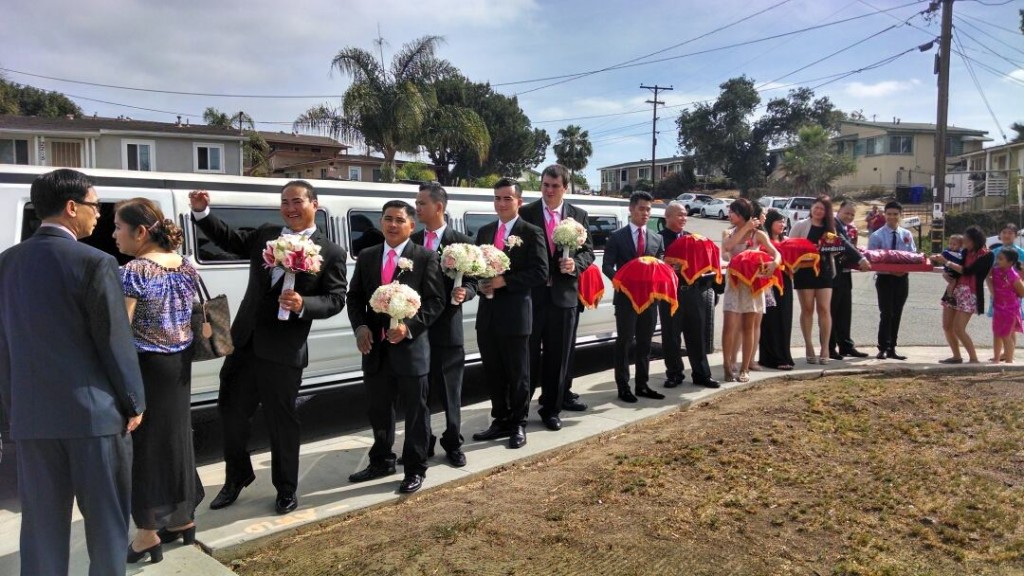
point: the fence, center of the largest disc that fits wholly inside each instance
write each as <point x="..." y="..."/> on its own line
<point x="982" y="190"/>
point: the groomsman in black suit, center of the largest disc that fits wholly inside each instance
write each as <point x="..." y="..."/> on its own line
<point x="447" y="353"/>
<point x="504" y="319"/>
<point x="690" y="319"/>
<point x="555" y="301"/>
<point x="625" y="244"/>
<point x="396" y="361"/>
<point x="69" y="381"/>
<point x="266" y="366"/>
<point x="841" y="343"/>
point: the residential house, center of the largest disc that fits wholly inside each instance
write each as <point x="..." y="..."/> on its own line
<point x="614" y="178"/>
<point x="319" y="158"/>
<point x="993" y="171"/>
<point x="120" y="143"/>
<point x="898" y="154"/>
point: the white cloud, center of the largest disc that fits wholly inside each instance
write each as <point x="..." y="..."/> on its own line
<point x="880" y="89"/>
<point x="1017" y="74"/>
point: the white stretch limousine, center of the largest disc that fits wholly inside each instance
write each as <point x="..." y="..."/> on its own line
<point x="349" y="213"/>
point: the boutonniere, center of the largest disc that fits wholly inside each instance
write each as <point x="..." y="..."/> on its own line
<point x="512" y="241"/>
<point x="906" y="238"/>
<point x="404" y="264"/>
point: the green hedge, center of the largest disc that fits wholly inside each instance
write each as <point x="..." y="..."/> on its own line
<point x="990" y="221"/>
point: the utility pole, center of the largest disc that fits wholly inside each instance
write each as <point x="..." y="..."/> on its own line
<point x="942" y="117"/>
<point x="654" y="125"/>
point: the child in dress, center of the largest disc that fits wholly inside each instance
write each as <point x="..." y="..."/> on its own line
<point x="1007" y="289"/>
<point x="952" y="253"/>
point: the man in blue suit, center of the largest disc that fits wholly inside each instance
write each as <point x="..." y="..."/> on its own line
<point x="69" y="380"/>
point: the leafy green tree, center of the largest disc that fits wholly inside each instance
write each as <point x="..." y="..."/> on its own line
<point x="453" y="131"/>
<point x="811" y="165"/>
<point x="487" y="181"/>
<point x="384" y="107"/>
<point x="30" y="101"/>
<point x="580" y="181"/>
<point x="677" y="183"/>
<point x="531" y="184"/>
<point x="416" y="171"/>
<point x="239" y="120"/>
<point x="1018" y="127"/>
<point x="573" y="150"/>
<point x="644" y="185"/>
<point x="255" y="149"/>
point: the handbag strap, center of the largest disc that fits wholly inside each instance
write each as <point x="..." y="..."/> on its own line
<point x="203" y="293"/>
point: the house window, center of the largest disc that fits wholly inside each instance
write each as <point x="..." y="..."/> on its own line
<point x="13" y="151"/>
<point x="355" y="173"/>
<point x="624" y="175"/>
<point x="954" y="146"/>
<point x="65" y="154"/>
<point x="138" y="155"/>
<point x="643" y="173"/>
<point x="376" y="174"/>
<point x="901" y="144"/>
<point x="874" y="146"/>
<point x="209" y="158"/>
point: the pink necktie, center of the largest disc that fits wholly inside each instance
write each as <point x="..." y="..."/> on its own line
<point x="550" y="225"/>
<point x="389" y="268"/>
<point x="639" y="242"/>
<point x="499" y="237"/>
<point x="431" y="240"/>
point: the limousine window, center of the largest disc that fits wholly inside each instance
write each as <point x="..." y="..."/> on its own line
<point x="364" y="230"/>
<point x="243" y="220"/>
<point x="599" y="227"/>
<point x="656" y="224"/>
<point x="102" y="237"/>
<point x="474" y="222"/>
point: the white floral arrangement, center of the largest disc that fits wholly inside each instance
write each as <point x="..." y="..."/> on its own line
<point x="512" y="241"/>
<point x="405" y="264"/>
<point x="398" y="301"/>
<point x="569" y="235"/>
<point x="460" y="260"/>
<point x="496" y="262"/>
<point x="293" y="253"/>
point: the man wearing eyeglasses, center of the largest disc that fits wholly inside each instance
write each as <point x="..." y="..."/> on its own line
<point x="69" y="381"/>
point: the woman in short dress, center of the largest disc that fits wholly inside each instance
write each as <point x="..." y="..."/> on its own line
<point x="741" y="307"/>
<point x="814" y="290"/>
<point x="159" y="287"/>
<point x="777" y="324"/>
<point x="968" y="294"/>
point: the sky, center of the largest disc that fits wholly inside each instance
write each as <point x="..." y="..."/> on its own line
<point x="231" y="51"/>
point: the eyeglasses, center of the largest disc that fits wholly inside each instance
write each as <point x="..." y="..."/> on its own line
<point x="94" y="205"/>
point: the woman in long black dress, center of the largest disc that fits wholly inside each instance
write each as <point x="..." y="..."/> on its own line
<point x="777" y="324"/>
<point x="159" y="287"/>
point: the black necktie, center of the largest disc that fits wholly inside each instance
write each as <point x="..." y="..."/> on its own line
<point x="893" y="239"/>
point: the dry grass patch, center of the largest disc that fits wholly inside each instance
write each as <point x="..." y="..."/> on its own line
<point x="841" y="476"/>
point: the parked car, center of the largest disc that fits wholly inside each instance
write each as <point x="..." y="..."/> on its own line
<point x="716" y="208"/>
<point x="693" y="202"/>
<point x="796" y="209"/>
<point x="769" y="201"/>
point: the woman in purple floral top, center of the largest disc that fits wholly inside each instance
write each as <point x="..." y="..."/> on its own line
<point x="159" y="287"/>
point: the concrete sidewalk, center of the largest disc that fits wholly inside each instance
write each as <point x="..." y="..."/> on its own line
<point x="324" y="490"/>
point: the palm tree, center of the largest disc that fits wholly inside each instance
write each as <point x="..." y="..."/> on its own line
<point x="573" y="150"/>
<point x="384" y="107"/>
<point x="255" y="150"/>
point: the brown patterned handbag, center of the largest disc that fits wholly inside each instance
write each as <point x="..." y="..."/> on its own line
<point x="211" y="325"/>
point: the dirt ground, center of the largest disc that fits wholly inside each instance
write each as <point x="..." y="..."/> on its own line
<point x="840" y="476"/>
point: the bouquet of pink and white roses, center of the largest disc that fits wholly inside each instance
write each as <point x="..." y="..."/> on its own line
<point x="398" y="301"/>
<point x="496" y="262"/>
<point x="293" y="253"/>
<point x="460" y="260"/>
<point x="569" y="235"/>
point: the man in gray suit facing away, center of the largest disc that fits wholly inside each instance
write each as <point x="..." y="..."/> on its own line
<point x="69" y="380"/>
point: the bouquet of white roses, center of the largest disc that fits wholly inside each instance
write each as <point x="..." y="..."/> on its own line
<point x="398" y="301"/>
<point x="459" y="260"/>
<point x="292" y="253"/>
<point x="569" y="235"/>
<point x="496" y="262"/>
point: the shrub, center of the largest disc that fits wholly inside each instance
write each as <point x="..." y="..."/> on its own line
<point x="990" y="221"/>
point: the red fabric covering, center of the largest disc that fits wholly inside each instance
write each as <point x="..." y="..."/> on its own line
<point x="696" y="256"/>
<point x="893" y="257"/>
<point x="748" y="268"/>
<point x="591" y="287"/>
<point x="799" y="253"/>
<point x="646" y="279"/>
<point x="888" y="267"/>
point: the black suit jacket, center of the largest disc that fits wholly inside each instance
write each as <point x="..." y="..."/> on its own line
<point x="620" y="249"/>
<point x="850" y="257"/>
<point x="447" y="330"/>
<point x="510" y="312"/>
<point x="68" y="366"/>
<point x="564" y="288"/>
<point x="323" y="295"/>
<point x="411" y="357"/>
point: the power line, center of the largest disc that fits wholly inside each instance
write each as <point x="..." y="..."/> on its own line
<point x="987" y="23"/>
<point x="991" y="70"/>
<point x="974" y="77"/>
<point x="991" y="51"/>
<point x="992" y="36"/>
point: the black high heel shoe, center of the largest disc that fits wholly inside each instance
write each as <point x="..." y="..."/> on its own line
<point x="156" y="553"/>
<point x="188" y="535"/>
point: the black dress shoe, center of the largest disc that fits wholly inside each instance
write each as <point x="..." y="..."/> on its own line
<point x="188" y="535"/>
<point x="496" y="431"/>
<point x="229" y="493"/>
<point x="835" y="355"/>
<point x="411" y="483"/>
<point x="456" y="457"/>
<point x="626" y="396"/>
<point x="553" y="423"/>
<point x="518" y="438"/>
<point x="854" y="353"/>
<point x="673" y="381"/>
<point x="372" y="472"/>
<point x="570" y="395"/>
<point x="286" y="502"/>
<point x="573" y="405"/>
<point x="892" y="354"/>
<point x="882" y="355"/>
<point x="709" y="383"/>
<point x="648" y="393"/>
<point x="156" y="553"/>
